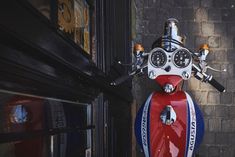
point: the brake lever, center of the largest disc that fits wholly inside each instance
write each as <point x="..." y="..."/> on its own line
<point x="202" y="76"/>
<point x="204" y="66"/>
<point x="217" y="70"/>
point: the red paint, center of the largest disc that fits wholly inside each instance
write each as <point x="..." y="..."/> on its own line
<point x="168" y="140"/>
<point x="172" y="79"/>
<point x="34" y="108"/>
<point x="30" y="147"/>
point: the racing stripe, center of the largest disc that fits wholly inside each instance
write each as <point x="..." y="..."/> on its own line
<point x="191" y="136"/>
<point x="144" y="127"/>
<point x="188" y="129"/>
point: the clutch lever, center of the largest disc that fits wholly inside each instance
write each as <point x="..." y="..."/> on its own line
<point x="124" y="64"/>
<point x="125" y="77"/>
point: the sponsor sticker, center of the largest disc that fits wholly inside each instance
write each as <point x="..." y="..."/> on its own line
<point x="144" y="127"/>
<point x="192" y="127"/>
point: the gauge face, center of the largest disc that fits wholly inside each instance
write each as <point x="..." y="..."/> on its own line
<point x="182" y="58"/>
<point x="158" y="58"/>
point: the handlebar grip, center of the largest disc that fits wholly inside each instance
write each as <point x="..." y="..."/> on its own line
<point x="120" y="80"/>
<point x="217" y="85"/>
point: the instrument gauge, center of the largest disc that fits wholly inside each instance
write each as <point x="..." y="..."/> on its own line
<point x="182" y="58"/>
<point x="158" y="58"/>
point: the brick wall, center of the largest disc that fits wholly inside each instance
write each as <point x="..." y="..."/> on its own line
<point x="202" y="21"/>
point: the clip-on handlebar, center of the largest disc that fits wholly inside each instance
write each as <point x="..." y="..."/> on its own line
<point x="199" y="71"/>
<point x="207" y="78"/>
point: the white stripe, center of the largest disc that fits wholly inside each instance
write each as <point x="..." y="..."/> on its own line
<point x="144" y="127"/>
<point x="192" y="126"/>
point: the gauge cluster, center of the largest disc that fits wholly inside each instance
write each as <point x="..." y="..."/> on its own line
<point x="161" y="62"/>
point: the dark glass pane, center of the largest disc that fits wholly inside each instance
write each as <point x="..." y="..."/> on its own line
<point x="38" y="127"/>
<point x="74" y="20"/>
<point x="24" y="148"/>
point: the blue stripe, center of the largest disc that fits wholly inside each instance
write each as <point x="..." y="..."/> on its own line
<point x="138" y="123"/>
<point x="188" y="130"/>
<point x="200" y="126"/>
<point x="138" y="126"/>
<point x="148" y="124"/>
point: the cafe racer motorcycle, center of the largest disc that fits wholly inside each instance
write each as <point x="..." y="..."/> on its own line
<point x="170" y="123"/>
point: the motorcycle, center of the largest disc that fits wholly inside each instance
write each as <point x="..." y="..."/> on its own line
<point x="170" y="123"/>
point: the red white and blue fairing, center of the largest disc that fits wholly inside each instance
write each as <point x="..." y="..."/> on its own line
<point x="169" y="124"/>
<point x="179" y="139"/>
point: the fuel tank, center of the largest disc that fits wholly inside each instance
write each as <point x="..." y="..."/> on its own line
<point x="179" y="137"/>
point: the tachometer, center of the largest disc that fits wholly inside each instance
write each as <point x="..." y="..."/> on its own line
<point x="158" y="58"/>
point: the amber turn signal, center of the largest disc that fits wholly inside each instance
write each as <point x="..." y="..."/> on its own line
<point x="204" y="47"/>
<point x="138" y="47"/>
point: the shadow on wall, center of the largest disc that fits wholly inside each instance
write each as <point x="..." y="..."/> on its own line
<point x="202" y="21"/>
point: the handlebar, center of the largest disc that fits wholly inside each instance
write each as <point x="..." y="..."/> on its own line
<point x="120" y="80"/>
<point x="200" y="74"/>
<point x="216" y="84"/>
<point x="207" y="78"/>
<point x="125" y="77"/>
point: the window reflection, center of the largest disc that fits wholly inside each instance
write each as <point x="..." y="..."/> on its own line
<point x="19" y="115"/>
<point x="43" y="127"/>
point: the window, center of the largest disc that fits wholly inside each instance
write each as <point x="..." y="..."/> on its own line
<point x="42" y="127"/>
<point x="74" y="18"/>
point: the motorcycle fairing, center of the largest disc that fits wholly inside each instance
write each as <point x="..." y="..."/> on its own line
<point x="199" y="123"/>
<point x="142" y="127"/>
<point x="178" y="139"/>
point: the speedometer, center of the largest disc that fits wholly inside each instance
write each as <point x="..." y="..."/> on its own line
<point x="182" y="58"/>
<point x="158" y="58"/>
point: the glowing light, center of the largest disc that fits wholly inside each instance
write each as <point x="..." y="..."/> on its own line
<point x="19" y="114"/>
